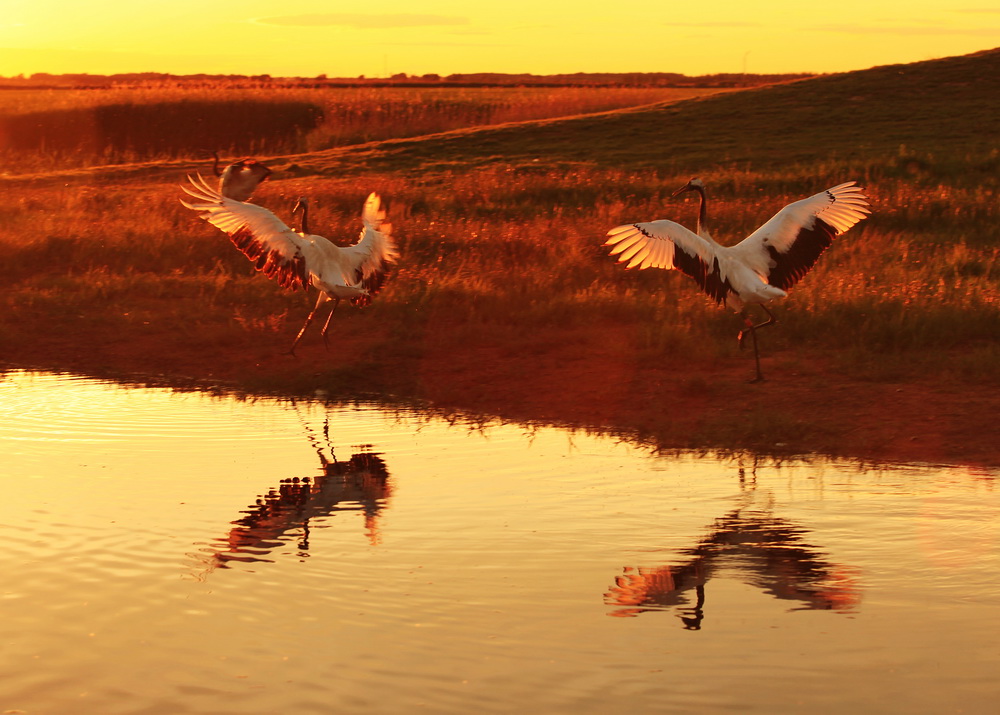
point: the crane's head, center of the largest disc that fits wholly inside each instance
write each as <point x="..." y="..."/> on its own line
<point x="695" y="184"/>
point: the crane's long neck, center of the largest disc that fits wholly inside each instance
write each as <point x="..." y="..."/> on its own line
<point x="702" y="226"/>
<point x="304" y="208"/>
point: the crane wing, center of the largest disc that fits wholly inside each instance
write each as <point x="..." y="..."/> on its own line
<point x="240" y="179"/>
<point x="666" y="244"/>
<point x="786" y="247"/>
<point x="273" y="248"/>
<point x="375" y="248"/>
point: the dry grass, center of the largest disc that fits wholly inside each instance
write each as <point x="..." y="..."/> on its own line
<point x="42" y="130"/>
<point x="512" y="245"/>
<point x="498" y="247"/>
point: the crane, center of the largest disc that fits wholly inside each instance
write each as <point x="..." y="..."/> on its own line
<point x="760" y="268"/>
<point x="240" y="179"/>
<point x="296" y="259"/>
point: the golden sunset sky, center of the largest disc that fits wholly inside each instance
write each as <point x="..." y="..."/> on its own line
<point x="311" y="37"/>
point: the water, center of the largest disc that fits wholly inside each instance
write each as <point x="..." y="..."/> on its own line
<point x="182" y="553"/>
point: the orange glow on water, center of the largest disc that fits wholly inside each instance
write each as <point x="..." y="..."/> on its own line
<point x="290" y="555"/>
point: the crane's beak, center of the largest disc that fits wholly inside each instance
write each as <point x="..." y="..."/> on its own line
<point x="686" y="187"/>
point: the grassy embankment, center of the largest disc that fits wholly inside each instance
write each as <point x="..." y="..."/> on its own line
<point x="44" y="130"/>
<point x="505" y="300"/>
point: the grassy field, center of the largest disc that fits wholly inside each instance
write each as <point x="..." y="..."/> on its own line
<point x="42" y="130"/>
<point x="501" y="229"/>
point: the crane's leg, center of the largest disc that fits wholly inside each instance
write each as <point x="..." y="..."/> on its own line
<point x="309" y="318"/>
<point x="756" y="356"/>
<point x="326" y="325"/>
<point x="752" y="329"/>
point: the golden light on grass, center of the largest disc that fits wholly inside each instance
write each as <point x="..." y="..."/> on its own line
<point x="500" y="230"/>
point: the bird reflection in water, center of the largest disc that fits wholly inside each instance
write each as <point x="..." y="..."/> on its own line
<point x="751" y="544"/>
<point x="361" y="483"/>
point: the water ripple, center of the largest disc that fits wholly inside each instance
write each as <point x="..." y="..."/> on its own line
<point x="183" y="553"/>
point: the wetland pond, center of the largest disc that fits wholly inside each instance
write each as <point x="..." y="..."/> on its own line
<point x="178" y="552"/>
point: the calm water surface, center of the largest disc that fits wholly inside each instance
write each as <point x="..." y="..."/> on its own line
<point x="181" y="553"/>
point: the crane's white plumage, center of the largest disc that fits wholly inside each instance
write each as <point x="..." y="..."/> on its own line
<point x="760" y="268"/>
<point x="295" y="259"/>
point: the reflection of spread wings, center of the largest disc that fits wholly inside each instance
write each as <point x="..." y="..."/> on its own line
<point x="762" y="550"/>
<point x="361" y="483"/>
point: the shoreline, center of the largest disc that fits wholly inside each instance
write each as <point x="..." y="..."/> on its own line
<point x="585" y="379"/>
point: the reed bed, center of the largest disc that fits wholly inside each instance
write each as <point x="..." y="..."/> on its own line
<point x="43" y="130"/>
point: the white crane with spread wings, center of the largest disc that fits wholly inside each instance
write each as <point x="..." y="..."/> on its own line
<point x="297" y="259"/>
<point x="761" y="267"/>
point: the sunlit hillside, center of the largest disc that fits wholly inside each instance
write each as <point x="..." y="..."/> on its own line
<point x="934" y="115"/>
<point x="925" y="117"/>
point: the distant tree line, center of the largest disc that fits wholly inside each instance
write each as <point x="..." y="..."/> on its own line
<point x="43" y="80"/>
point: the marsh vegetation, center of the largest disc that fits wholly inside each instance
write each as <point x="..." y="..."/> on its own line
<point x="501" y="231"/>
<point x="50" y="129"/>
